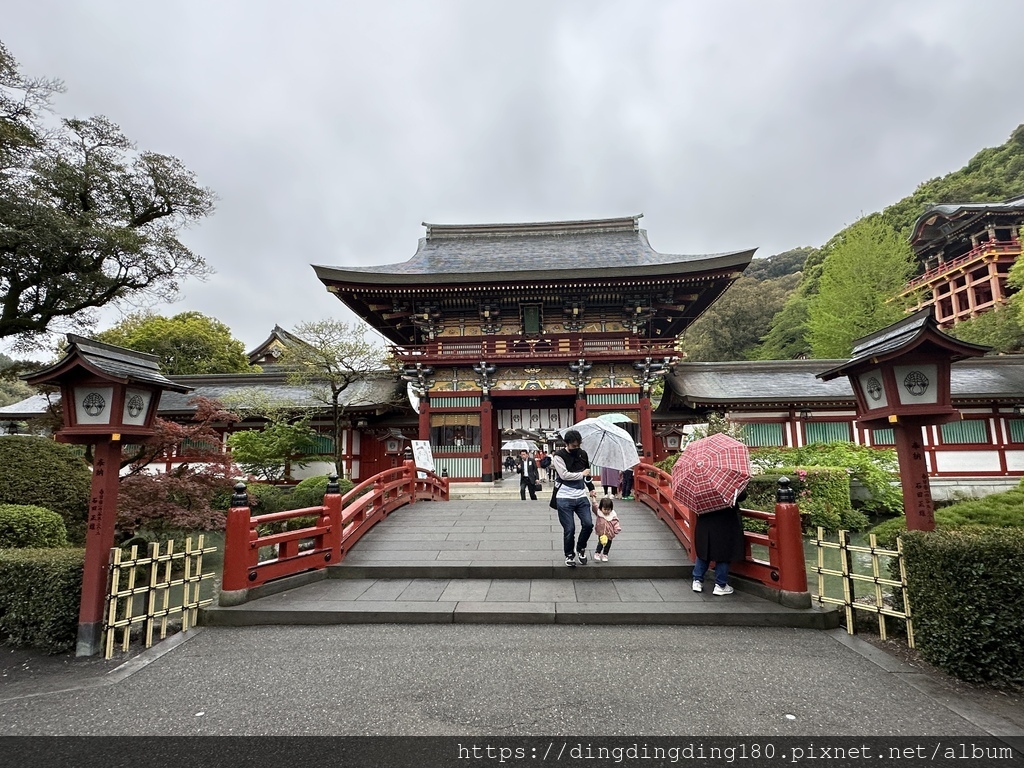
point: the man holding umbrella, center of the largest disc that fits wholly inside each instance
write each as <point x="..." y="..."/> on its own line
<point x="575" y="497"/>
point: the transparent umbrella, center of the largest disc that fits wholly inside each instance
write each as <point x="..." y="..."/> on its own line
<point x="519" y="445"/>
<point x="606" y="444"/>
<point x="615" y="418"/>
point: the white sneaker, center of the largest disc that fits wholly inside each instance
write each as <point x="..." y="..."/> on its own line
<point x="604" y="558"/>
<point x="726" y="590"/>
<point x="698" y="586"/>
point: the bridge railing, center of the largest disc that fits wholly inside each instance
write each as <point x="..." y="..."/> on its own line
<point x="784" y="570"/>
<point x="339" y="522"/>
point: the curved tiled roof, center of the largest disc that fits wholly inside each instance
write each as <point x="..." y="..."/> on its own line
<point x="551" y="250"/>
<point x="765" y="384"/>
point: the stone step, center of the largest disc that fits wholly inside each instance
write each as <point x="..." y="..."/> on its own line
<point x="488" y="491"/>
<point x="514" y="601"/>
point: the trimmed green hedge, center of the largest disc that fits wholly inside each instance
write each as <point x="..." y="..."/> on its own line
<point x="1000" y="510"/>
<point x="966" y="591"/>
<point x="25" y="525"/>
<point x="38" y="471"/>
<point x="40" y="594"/>
<point x="822" y="493"/>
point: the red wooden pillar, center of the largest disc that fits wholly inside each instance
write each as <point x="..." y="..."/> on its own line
<point x="646" y="431"/>
<point x="425" y="419"/>
<point x="99" y="539"/>
<point x="581" y="407"/>
<point x="487" y="440"/>
<point x="917" y="494"/>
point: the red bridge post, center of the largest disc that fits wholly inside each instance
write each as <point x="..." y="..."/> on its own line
<point x="236" y="544"/>
<point x="788" y="540"/>
<point x="332" y="512"/>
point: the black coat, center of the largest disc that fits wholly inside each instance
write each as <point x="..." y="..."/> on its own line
<point x="718" y="536"/>
<point x="531" y="471"/>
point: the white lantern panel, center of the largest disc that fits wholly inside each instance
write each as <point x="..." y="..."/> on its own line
<point x="136" y="406"/>
<point x="93" y="405"/>
<point x="917" y="383"/>
<point x="873" y="388"/>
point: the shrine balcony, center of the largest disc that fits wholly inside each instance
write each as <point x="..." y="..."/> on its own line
<point x="462" y="349"/>
<point x="1010" y="249"/>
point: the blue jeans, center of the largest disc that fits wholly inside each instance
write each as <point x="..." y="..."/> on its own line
<point x="581" y="508"/>
<point x="700" y="567"/>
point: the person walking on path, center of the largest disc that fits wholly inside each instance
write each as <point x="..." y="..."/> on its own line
<point x="606" y="528"/>
<point x="610" y="479"/>
<point x="573" y="498"/>
<point x="528" y="476"/>
<point x="718" y="537"/>
<point x="626" y="487"/>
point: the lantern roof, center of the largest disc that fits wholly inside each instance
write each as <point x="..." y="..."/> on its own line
<point x="107" y="361"/>
<point x="917" y="332"/>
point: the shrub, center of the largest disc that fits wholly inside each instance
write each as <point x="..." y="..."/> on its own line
<point x="966" y="591"/>
<point x="26" y="526"/>
<point x="310" y="492"/>
<point x="1000" y="510"/>
<point x="40" y="472"/>
<point x="823" y="494"/>
<point x="266" y="499"/>
<point x="40" y="593"/>
<point x="876" y="469"/>
<point x="171" y="501"/>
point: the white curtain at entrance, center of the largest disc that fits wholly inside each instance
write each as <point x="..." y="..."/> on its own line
<point x="548" y="419"/>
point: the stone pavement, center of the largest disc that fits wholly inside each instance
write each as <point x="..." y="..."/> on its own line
<point x="501" y="561"/>
<point x="508" y="680"/>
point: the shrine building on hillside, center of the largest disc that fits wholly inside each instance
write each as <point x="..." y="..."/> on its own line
<point x="964" y="252"/>
<point x="508" y="330"/>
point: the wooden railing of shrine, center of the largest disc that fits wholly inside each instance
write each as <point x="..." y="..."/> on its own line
<point x="784" y="569"/>
<point x="323" y="539"/>
<point x="979" y="252"/>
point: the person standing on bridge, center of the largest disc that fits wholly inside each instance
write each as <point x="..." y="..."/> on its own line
<point x="574" y="497"/>
<point x="718" y="537"/>
<point x="528" y="476"/>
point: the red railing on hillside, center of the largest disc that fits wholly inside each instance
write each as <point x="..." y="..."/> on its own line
<point x="340" y="522"/>
<point x="785" y="568"/>
<point x="1010" y="248"/>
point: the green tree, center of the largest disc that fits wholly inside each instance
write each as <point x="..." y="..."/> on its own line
<point x="188" y="343"/>
<point x="87" y="220"/>
<point x="270" y="453"/>
<point x="335" y="356"/>
<point x="12" y="388"/>
<point x="999" y="328"/>
<point x="733" y="326"/>
<point x="862" y="274"/>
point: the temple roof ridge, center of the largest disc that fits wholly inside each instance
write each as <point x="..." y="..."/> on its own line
<point x="526" y="229"/>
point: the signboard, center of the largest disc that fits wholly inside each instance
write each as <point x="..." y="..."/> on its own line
<point x="422" y="454"/>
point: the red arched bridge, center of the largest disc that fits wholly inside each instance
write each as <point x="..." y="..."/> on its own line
<point x="298" y="545"/>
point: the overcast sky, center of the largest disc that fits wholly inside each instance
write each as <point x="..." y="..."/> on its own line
<point x="330" y="130"/>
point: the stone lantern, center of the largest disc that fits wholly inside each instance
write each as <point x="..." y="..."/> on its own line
<point x="900" y="378"/>
<point x="109" y="395"/>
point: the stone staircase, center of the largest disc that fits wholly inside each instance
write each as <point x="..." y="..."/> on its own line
<point x="507" y="488"/>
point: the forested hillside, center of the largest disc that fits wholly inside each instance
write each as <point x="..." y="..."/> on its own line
<point x="991" y="175"/>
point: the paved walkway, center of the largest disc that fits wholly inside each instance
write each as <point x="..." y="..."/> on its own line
<point x="502" y="562"/>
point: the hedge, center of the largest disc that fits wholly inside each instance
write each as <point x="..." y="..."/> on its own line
<point x="822" y="493"/>
<point x="24" y="525"/>
<point x="40" y="594"/>
<point x="38" y="471"/>
<point x="966" y="591"/>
